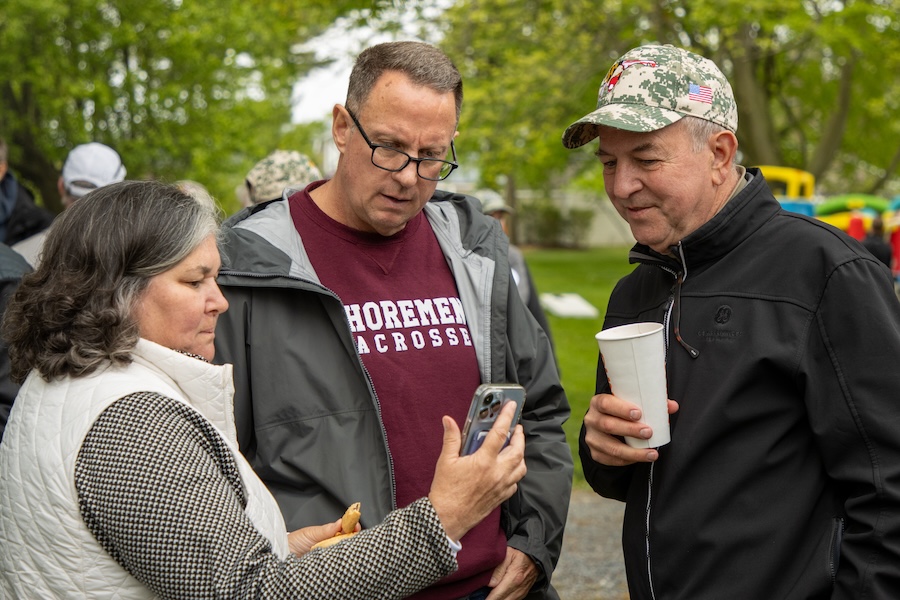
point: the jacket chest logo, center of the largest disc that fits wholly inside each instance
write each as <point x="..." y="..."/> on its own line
<point x="718" y="332"/>
<point x="723" y="314"/>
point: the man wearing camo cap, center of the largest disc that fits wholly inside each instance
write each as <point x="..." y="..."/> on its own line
<point x="282" y="169"/>
<point x="783" y="336"/>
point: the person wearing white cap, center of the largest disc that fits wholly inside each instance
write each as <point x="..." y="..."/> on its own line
<point x="87" y="167"/>
<point x="782" y="476"/>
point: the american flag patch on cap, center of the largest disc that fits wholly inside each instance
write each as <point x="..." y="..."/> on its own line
<point x="700" y="93"/>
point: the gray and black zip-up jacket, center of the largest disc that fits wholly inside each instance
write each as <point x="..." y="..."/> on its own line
<point x="307" y="415"/>
<point x="782" y="479"/>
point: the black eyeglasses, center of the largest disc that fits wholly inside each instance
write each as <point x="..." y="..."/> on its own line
<point x="392" y="159"/>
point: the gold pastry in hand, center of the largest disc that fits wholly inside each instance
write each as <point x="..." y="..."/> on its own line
<point x="350" y="518"/>
<point x="348" y="527"/>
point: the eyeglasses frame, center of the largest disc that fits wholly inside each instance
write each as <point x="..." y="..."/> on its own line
<point x="453" y="164"/>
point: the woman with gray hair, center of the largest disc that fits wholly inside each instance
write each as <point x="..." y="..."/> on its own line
<point x="119" y="470"/>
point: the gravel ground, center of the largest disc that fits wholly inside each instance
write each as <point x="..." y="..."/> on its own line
<point x="590" y="566"/>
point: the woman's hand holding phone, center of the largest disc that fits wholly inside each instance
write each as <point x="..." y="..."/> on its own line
<point x="465" y="489"/>
<point x="487" y="401"/>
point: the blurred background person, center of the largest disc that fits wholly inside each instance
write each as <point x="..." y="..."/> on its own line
<point x="492" y="204"/>
<point x="12" y="267"/>
<point x="875" y="243"/>
<point x="87" y="167"/>
<point x="132" y="485"/>
<point x="20" y="217"/>
<point x="280" y="170"/>
<point x="198" y="192"/>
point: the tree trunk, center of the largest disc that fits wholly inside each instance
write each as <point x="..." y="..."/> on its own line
<point x="887" y="175"/>
<point x="830" y="143"/>
<point x="755" y="129"/>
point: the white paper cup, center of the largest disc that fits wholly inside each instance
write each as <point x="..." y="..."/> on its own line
<point x="635" y="359"/>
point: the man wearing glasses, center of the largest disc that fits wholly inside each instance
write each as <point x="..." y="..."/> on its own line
<point x="366" y="307"/>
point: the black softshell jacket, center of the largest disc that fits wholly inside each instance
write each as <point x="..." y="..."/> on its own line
<point x="782" y="479"/>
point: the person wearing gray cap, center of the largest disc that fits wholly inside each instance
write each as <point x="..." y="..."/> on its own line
<point x="492" y="204"/>
<point x="783" y="471"/>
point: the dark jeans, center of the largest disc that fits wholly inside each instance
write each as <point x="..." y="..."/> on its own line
<point x="479" y="594"/>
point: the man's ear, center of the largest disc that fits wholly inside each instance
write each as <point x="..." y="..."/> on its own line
<point x="341" y="126"/>
<point x="724" y="146"/>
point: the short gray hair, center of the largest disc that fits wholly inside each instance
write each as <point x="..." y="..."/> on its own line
<point x="76" y="311"/>
<point x="700" y="130"/>
<point x="423" y="63"/>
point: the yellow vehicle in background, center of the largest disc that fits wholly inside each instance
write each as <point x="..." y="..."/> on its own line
<point x="790" y="183"/>
<point x="794" y="188"/>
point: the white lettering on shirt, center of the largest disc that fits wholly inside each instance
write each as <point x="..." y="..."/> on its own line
<point x="408" y="313"/>
<point x="399" y="342"/>
<point x="418" y="340"/>
<point x="373" y="317"/>
<point x="453" y="336"/>
<point x="390" y="314"/>
<point x="401" y="324"/>
<point x="404" y="314"/>
<point x="354" y="317"/>
<point x="379" y="343"/>
<point x="426" y="311"/>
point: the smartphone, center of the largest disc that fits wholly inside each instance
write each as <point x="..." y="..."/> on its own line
<point x="487" y="402"/>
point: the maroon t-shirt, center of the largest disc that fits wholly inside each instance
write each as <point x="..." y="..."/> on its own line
<point x="410" y="329"/>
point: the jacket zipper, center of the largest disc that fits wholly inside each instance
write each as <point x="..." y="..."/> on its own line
<point x="667" y="320"/>
<point x="369" y="383"/>
<point x="680" y="278"/>
<point x="647" y="530"/>
<point x="837" y="535"/>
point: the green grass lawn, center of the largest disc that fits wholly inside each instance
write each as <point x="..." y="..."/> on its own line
<point x="592" y="274"/>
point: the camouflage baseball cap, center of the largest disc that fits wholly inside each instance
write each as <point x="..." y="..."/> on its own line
<point x="282" y="169"/>
<point x="653" y="86"/>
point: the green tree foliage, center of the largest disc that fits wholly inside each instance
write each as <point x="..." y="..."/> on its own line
<point x="181" y="88"/>
<point x="814" y="80"/>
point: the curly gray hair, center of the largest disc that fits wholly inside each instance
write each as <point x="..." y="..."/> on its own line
<point x="75" y="312"/>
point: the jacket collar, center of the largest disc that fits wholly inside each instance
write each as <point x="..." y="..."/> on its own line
<point x="739" y="219"/>
<point x="208" y="388"/>
<point x="456" y="220"/>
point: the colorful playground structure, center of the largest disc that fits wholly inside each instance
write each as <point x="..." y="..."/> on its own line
<point x="852" y="213"/>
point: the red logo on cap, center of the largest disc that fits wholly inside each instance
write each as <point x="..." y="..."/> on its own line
<point x="615" y="72"/>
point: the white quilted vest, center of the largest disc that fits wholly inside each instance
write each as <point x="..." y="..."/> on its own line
<point x="46" y="550"/>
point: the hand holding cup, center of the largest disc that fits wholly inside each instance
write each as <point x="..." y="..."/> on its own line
<point x="634" y="357"/>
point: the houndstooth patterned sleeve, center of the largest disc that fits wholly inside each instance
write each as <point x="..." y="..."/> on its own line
<point x="160" y="491"/>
